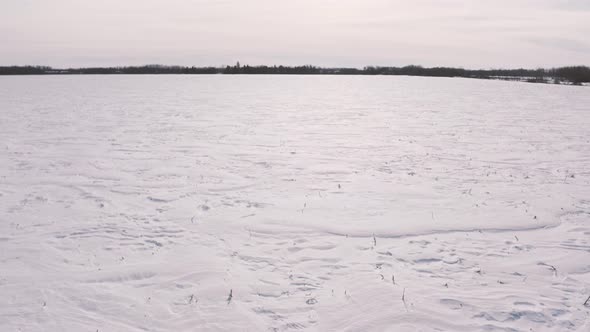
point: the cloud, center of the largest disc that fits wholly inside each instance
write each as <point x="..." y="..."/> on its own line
<point x="471" y="33"/>
<point x="578" y="46"/>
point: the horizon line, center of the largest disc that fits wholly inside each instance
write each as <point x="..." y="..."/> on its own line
<point x="292" y="66"/>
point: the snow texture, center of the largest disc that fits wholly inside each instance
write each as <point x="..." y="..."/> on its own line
<point x="274" y="203"/>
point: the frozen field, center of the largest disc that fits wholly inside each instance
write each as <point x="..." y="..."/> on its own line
<point x="274" y="203"/>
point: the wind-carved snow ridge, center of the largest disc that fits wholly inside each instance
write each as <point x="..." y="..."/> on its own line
<point x="279" y="203"/>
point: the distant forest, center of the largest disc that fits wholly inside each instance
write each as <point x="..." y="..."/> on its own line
<point x="571" y="75"/>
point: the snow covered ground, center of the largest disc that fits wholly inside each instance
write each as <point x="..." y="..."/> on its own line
<point x="275" y="203"/>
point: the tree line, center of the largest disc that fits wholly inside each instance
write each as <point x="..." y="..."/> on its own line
<point x="572" y="74"/>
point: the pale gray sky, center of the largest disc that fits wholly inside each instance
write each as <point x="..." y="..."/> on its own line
<point x="469" y="33"/>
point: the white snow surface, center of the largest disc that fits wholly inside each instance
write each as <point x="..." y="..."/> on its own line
<point x="320" y="203"/>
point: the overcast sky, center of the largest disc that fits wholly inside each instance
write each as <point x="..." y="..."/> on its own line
<point x="468" y="33"/>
